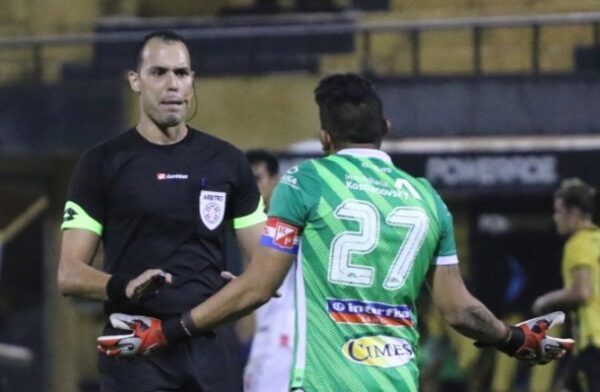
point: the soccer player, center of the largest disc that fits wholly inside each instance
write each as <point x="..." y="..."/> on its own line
<point x="270" y="361"/>
<point x="366" y="236"/>
<point x="574" y="203"/>
<point x="159" y="197"/>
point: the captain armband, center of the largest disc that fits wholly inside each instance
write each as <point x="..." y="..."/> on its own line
<point x="280" y="235"/>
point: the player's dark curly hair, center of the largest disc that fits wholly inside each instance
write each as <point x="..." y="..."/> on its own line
<point x="575" y="193"/>
<point x="350" y="110"/>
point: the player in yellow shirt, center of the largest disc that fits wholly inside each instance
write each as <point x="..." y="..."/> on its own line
<point x="573" y="211"/>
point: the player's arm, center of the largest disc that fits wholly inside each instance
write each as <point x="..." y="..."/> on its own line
<point x="457" y="306"/>
<point x="259" y="282"/>
<point x="248" y="238"/>
<point x="526" y="341"/>
<point x="569" y="298"/>
<point x="461" y="309"/>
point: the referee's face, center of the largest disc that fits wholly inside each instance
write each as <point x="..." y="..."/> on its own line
<point x="164" y="82"/>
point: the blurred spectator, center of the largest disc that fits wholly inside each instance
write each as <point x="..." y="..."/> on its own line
<point x="573" y="210"/>
<point x="270" y="361"/>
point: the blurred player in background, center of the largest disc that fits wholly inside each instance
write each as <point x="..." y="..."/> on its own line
<point x="159" y="197"/>
<point x="265" y="168"/>
<point x="366" y="236"/>
<point x="270" y="362"/>
<point x="574" y="205"/>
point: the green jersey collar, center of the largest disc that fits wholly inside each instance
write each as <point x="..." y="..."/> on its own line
<point x="366" y="153"/>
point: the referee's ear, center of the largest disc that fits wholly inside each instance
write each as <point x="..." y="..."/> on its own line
<point x="193" y="91"/>
<point x="134" y="81"/>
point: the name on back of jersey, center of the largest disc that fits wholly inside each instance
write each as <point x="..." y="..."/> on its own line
<point x="401" y="189"/>
<point x="370" y="313"/>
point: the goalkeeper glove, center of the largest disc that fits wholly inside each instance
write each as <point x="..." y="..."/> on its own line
<point x="527" y="341"/>
<point x="145" y="334"/>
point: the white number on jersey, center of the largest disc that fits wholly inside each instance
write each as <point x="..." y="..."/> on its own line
<point x="366" y="239"/>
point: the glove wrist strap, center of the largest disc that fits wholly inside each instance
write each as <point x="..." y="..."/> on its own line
<point x="115" y="288"/>
<point x="515" y="341"/>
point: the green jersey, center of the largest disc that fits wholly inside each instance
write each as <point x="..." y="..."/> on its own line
<point x="369" y="234"/>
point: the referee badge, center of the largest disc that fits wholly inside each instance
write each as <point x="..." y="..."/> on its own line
<point x="212" y="208"/>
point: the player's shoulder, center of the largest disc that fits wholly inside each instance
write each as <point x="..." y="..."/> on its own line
<point x="426" y="184"/>
<point x="421" y="183"/>
<point x="299" y="173"/>
<point x="426" y="190"/>
<point x="304" y="166"/>
<point x="583" y="247"/>
<point x="585" y="238"/>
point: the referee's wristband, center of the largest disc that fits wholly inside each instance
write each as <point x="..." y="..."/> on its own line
<point x="115" y="288"/>
<point x="179" y="328"/>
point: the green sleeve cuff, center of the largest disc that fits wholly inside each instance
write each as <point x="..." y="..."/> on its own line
<point x="75" y="217"/>
<point x="257" y="216"/>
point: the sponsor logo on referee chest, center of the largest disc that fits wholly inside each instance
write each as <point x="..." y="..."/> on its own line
<point x="171" y="176"/>
<point x="379" y="351"/>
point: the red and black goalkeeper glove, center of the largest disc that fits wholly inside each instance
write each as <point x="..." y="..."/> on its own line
<point x="145" y="334"/>
<point x="528" y="341"/>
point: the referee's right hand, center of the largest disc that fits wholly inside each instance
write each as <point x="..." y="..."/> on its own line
<point x="148" y="283"/>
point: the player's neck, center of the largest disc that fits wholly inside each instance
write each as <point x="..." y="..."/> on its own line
<point x="345" y="146"/>
<point x="585" y="224"/>
<point x="162" y="136"/>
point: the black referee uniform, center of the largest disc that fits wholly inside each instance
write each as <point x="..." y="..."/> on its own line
<point x="167" y="206"/>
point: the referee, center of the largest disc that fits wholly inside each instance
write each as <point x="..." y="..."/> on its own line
<point x="160" y="196"/>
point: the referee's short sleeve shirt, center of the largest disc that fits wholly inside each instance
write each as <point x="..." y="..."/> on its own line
<point x="163" y="206"/>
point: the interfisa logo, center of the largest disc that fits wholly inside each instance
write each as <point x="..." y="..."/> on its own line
<point x="379" y="351"/>
<point x="368" y="312"/>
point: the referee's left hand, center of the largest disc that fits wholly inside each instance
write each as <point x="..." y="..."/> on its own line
<point x="141" y="336"/>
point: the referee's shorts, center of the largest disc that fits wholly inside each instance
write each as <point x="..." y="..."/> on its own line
<point x="204" y="363"/>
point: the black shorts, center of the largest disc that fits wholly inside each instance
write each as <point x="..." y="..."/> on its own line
<point x="204" y="363"/>
<point x="584" y="371"/>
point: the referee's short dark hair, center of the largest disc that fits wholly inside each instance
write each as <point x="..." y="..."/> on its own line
<point x="575" y="193"/>
<point x="163" y="35"/>
<point x="350" y="110"/>
<point x="260" y="156"/>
